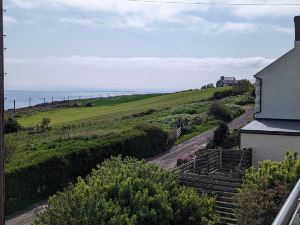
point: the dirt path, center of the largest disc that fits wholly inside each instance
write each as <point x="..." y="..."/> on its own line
<point x="167" y="160"/>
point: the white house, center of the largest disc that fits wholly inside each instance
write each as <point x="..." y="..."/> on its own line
<point x="276" y="128"/>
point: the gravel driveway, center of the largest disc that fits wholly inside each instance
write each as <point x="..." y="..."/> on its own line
<point x="168" y="159"/>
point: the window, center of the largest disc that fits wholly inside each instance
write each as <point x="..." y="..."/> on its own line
<point x="258" y="95"/>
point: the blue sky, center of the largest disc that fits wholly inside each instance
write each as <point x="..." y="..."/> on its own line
<point x="94" y="44"/>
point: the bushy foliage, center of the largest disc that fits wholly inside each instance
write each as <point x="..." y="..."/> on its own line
<point x="245" y="100"/>
<point x="220" y="134"/>
<point x="129" y="192"/>
<point x="11" y="125"/>
<point x="219" y="111"/>
<point x="265" y="190"/>
<point x="222" y="94"/>
<point x="243" y="86"/>
<point x="45" y="123"/>
<point x="68" y="159"/>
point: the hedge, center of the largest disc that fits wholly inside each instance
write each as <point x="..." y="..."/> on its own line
<point x="33" y="183"/>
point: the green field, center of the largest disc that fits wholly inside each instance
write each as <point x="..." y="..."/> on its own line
<point x="111" y="107"/>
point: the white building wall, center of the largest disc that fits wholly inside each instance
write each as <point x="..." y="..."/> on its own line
<point x="280" y="90"/>
<point x="271" y="147"/>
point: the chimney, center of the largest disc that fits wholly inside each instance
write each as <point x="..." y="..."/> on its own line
<point x="297" y="29"/>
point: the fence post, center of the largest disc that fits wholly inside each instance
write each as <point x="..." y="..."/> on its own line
<point x="14" y="105"/>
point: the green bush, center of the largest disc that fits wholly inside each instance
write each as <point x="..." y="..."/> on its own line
<point x="129" y="192"/>
<point x="222" y="94"/>
<point x="11" y="125"/>
<point x="219" y="111"/>
<point x="69" y="159"/>
<point x="245" y="100"/>
<point x="265" y="190"/>
<point x="220" y="134"/>
<point x="242" y="87"/>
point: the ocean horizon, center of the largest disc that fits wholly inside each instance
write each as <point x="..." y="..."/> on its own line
<point x="27" y="98"/>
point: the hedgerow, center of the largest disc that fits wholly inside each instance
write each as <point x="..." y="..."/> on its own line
<point x="129" y="192"/>
<point x="56" y="167"/>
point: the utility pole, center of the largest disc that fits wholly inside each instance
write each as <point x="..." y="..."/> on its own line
<point x="2" y="148"/>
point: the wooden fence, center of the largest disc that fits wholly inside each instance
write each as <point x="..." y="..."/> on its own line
<point x="218" y="160"/>
<point x="219" y="173"/>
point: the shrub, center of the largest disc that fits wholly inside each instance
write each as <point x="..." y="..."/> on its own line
<point x="245" y="100"/>
<point x="219" y="111"/>
<point x="243" y="86"/>
<point x="232" y="140"/>
<point x="220" y="134"/>
<point x="45" y="123"/>
<point x="11" y="125"/>
<point x="222" y="94"/>
<point x="129" y="192"/>
<point x="265" y="190"/>
<point x="88" y="104"/>
<point x="67" y="160"/>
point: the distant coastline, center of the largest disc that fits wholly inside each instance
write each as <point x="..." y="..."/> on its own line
<point x="25" y="98"/>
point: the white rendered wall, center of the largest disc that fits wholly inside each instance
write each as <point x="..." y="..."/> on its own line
<point x="280" y="94"/>
<point x="271" y="147"/>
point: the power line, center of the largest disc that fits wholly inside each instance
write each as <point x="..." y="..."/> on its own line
<point x="215" y="3"/>
<point x="56" y="4"/>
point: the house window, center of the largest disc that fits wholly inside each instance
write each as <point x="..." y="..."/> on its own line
<point x="258" y="96"/>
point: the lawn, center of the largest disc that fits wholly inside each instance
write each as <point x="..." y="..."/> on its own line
<point x="112" y="108"/>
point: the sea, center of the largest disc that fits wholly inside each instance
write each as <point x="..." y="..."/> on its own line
<point x="21" y="99"/>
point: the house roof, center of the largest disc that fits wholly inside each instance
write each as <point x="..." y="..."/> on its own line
<point x="273" y="127"/>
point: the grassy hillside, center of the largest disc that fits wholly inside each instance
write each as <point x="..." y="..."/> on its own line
<point x="116" y="106"/>
<point x="79" y="138"/>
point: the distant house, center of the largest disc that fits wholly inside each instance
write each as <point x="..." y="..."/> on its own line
<point x="211" y="85"/>
<point x="276" y="128"/>
<point x="226" y="81"/>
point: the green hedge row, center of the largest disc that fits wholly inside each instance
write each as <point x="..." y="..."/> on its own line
<point x="31" y="184"/>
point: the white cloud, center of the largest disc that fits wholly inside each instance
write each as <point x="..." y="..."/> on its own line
<point x="132" y="73"/>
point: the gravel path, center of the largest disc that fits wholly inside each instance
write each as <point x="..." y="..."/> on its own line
<point x="167" y="160"/>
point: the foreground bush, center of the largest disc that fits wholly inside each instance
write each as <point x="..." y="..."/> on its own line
<point x="47" y="173"/>
<point x="265" y="190"/>
<point x="129" y="192"/>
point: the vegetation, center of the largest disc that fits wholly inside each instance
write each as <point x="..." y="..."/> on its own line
<point x="129" y="192"/>
<point x="265" y="190"/>
<point x="219" y="111"/>
<point x="11" y="125"/>
<point x="82" y="137"/>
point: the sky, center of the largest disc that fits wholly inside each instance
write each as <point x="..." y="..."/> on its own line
<point x="129" y="45"/>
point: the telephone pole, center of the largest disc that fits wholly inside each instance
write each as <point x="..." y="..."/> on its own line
<point x="2" y="149"/>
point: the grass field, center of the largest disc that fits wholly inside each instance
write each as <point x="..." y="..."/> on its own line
<point x="108" y="118"/>
<point x="112" y="107"/>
